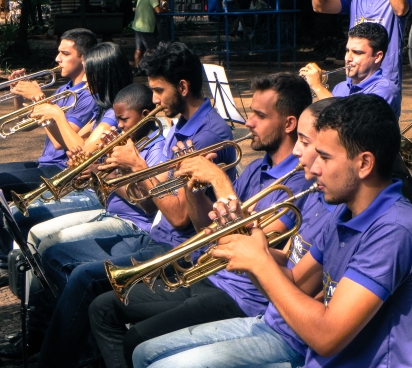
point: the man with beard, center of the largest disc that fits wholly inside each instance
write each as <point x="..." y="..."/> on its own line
<point x="277" y="102"/>
<point x="77" y="268"/>
<point x="349" y="297"/>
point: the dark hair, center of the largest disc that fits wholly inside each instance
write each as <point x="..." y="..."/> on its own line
<point x="293" y="92"/>
<point x="317" y="107"/>
<point x="83" y="39"/>
<point x="136" y="97"/>
<point x="365" y="122"/>
<point x="375" y="33"/>
<point x="107" y="71"/>
<point x="174" y="61"/>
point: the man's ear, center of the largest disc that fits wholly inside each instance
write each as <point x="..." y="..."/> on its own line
<point x="367" y="163"/>
<point x="378" y="57"/>
<point x="183" y="87"/>
<point x="291" y="124"/>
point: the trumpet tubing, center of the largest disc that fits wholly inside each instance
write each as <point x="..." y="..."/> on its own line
<point x="106" y="187"/>
<point x="124" y="278"/>
<point x="52" y="72"/>
<point x="27" y="123"/>
<point x="58" y="182"/>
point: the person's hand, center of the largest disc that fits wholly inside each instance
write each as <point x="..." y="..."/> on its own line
<point x="28" y="89"/>
<point x="199" y="169"/>
<point x="226" y="211"/>
<point x="126" y="157"/>
<point x="312" y="74"/>
<point x="46" y="112"/>
<point x="244" y="253"/>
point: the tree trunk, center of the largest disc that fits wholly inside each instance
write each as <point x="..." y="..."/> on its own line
<point x="21" y="45"/>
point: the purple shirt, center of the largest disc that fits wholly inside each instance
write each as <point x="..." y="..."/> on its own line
<point x="373" y="249"/>
<point x="376" y="84"/>
<point x="257" y="176"/>
<point x="380" y="11"/>
<point x="315" y="213"/>
<point x="152" y="154"/>
<point x="204" y="128"/>
<point x="79" y="115"/>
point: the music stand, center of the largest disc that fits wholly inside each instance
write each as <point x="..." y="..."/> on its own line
<point x="222" y="95"/>
<point x="31" y="260"/>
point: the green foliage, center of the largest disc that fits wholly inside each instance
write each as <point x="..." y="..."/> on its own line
<point x="8" y="33"/>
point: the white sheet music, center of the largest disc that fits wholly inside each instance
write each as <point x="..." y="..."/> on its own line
<point x="215" y="71"/>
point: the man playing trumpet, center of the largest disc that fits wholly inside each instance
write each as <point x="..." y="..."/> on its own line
<point x="366" y="48"/>
<point x="277" y="102"/>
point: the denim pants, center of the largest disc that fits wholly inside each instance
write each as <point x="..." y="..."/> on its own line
<point x="23" y="177"/>
<point x="40" y="211"/>
<point x="78" y="270"/>
<point x="79" y="226"/>
<point x="153" y="314"/>
<point x="238" y="342"/>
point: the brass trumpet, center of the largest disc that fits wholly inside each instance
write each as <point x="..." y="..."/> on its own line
<point x="52" y="72"/>
<point x="106" y="187"/>
<point x="124" y="278"/>
<point x="24" y="113"/>
<point x="325" y="75"/>
<point x="64" y="182"/>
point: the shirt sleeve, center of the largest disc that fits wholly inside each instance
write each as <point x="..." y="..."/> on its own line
<point x="82" y="112"/>
<point x="154" y="154"/>
<point x="109" y="118"/>
<point x="154" y="3"/>
<point x="382" y="260"/>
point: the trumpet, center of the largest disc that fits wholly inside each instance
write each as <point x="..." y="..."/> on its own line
<point x="105" y="187"/>
<point x="24" y="112"/>
<point x="62" y="183"/>
<point x="48" y="72"/>
<point x="124" y="278"/>
<point x="325" y="76"/>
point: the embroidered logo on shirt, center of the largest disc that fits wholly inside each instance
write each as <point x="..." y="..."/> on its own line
<point x="362" y="19"/>
<point x="329" y="287"/>
<point x="298" y="248"/>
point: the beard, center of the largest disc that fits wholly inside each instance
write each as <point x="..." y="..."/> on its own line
<point x="176" y="106"/>
<point x="269" y="143"/>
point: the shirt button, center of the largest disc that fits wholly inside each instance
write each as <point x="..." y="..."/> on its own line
<point x="316" y="215"/>
<point x="342" y="244"/>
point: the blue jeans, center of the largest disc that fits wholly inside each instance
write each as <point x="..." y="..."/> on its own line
<point x="40" y="211"/>
<point x="80" y="226"/>
<point x="23" y="177"/>
<point x="69" y="327"/>
<point x="246" y="342"/>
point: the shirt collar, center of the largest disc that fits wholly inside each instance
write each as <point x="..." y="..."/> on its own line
<point x="383" y="201"/>
<point x="189" y="127"/>
<point x="282" y="168"/>
<point x="76" y="87"/>
<point x="366" y="83"/>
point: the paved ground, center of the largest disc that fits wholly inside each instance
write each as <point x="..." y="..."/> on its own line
<point x="28" y="146"/>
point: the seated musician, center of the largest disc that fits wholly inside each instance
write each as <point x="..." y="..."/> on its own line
<point x="25" y="176"/>
<point x="175" y="77"/>
<point x="360" y="263"/>
<point x="105" y="59"/>
<point x="365" y="50"/>
<point x="277" y="101"/>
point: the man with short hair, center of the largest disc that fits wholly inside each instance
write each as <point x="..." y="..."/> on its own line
<point x="277" y="102"/>
<point x="360" y="264"/>
<point x="77" y="268"/>
<point x="365" y="50"/>
<point x="392" y="14"/>
<point x="23" y="177"/>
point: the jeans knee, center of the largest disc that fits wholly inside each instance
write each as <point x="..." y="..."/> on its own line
<point x="132" y="338"/>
